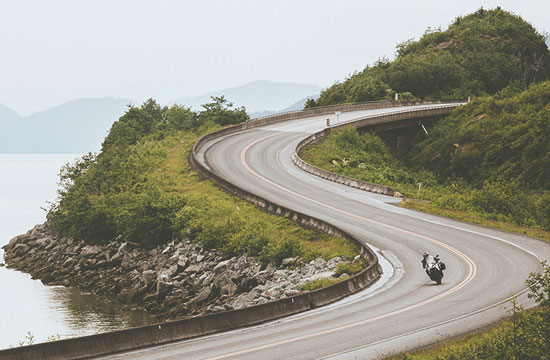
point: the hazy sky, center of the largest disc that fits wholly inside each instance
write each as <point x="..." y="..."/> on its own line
<point x="58" y="50"/>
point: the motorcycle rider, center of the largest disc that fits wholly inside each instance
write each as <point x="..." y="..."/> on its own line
<point x="424" y="261"/>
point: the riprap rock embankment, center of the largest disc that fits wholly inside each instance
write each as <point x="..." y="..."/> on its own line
<point x="175" y="280"/>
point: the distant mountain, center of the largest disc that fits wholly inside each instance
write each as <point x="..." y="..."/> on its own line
<point x="298" y="105"/>
<point x="257" y="96"/>
<point x="78" y="126"/>
<point x="7" y="115"/>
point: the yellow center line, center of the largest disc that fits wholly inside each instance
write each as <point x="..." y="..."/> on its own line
<point x="467" y="260"/>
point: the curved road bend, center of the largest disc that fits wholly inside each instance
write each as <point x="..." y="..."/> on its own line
<point x="484" y="267"/>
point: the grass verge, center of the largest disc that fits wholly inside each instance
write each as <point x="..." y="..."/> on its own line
<point x="428" y="208"/>
<point x="247" y="227"/>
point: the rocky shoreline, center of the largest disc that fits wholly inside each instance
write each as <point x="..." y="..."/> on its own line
<point x="173" y="281"/>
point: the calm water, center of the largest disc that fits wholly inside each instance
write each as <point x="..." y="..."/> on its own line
<point x="27" y="183"/>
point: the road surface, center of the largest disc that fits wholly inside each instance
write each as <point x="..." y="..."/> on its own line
<point x="404" y="310"/>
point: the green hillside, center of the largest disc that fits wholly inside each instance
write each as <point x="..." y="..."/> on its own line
<point x="505" y="137"/>
<point x="478" y="54"/>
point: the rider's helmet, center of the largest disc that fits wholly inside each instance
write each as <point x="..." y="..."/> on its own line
<point x="425" y="255"/>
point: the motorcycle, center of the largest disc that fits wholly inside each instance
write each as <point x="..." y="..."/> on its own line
<point x="434" y="268"/>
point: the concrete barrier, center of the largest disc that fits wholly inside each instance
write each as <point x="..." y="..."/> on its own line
<point x="122" y="340"/>
<point x="361" y="123"/>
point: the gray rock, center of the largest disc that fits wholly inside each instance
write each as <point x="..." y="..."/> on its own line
<point x="319" y="263"/>
<point x="224" y="282"/>
<point x="289" y="262"/>
<point x="166" y="249"/>
<point x="260" y="300"/>
<point x="247" y="299"/>
<point x="149" y="276"/>
<point x="183" y="261"/>
<point x="42" y="242"/>
<point x="202" y="295"/>
<point x="307" y="271"/>
<point x="172" y="270"/>
<point x="194" y="268"/>
<point x="323" y="275"/>
<point x="217" y="308"/>
<point x="280" y="274"/>
<point x="273" y="292"/>
<point x="221" y="267"/>
<point x="90" y="251"/>
<point x="20" y="249"/>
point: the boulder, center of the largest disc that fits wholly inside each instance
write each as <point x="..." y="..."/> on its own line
<point x="200" y="258"/>
<point x="194" y="268"/>
<point x="148" y="276"/>
<point x="128" y="296"/>
<point x="20" y="249"/>
<point x="221" y="267"/>
<point x="225" y="283"/>
<point x="274" y="292"/>
<point x="280" y="274"/>
<point x="319" y="263"/>
<point x="90" y="251"/>
<point x="246" y="299"/>
<point x="289" y="262"/>
<point x="323" y="275"/>
<point x="42" y="242"/>
<point x="182" y="263"/>
<point x="203" y="295"/>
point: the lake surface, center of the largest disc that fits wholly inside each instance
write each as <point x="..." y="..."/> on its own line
<point x="27" y="183"/>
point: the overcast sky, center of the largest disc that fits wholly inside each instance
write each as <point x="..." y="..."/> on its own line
<point x="58" y="50"/>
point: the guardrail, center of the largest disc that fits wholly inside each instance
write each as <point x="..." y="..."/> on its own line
<point x="122" y="340"/>
<point x="358" y="106"/>
<point x="359" y="123"/>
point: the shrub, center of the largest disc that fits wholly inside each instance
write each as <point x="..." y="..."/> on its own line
<point x="350" y="268"/>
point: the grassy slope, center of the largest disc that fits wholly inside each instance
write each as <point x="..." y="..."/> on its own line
<point x="336" y="154"/>
<point x="181" y="179"/>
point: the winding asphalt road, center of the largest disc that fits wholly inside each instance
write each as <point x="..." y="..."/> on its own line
<point x="404" y="309"/>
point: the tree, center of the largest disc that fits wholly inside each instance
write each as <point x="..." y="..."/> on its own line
<point x="221" y="112"/>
